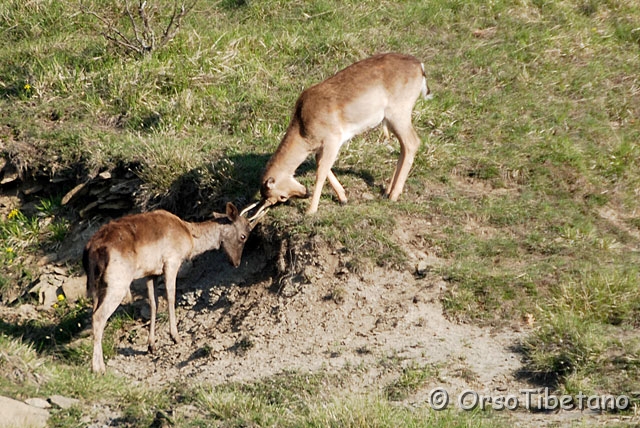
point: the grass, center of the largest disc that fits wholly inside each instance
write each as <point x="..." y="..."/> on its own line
<point x="530" y="140"/>
<point x="411" y="379"/>
<point x="24" y="235"/>
<point x="288" y="400"/>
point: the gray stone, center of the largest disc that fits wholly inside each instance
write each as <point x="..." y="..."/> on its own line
<point x="63" y="402"/>
<point x="27" y="311"/>
<point x="47" y="292"/>
<point x="79" y="190"/>
<point x="422" y="268"/>
<point x="18" y="414"/>
<point x="40" y="403"/>
<point x="9" y="174"/>
<point x="58" y="270"/>
<point x="75" y="288"/>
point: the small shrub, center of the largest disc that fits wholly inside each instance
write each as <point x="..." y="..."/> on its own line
<point x="136" y="29"/>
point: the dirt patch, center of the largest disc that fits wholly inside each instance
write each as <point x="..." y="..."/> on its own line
<point x="303" y="306"/>
<point x="246" y="324"/>
<point x="239" y="331"/>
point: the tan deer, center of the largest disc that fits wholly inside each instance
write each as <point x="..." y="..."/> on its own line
<point x="148" y="245"/>
<point x="383" y="88"/>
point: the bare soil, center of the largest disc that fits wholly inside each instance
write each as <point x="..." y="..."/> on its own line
<point x="303" y="307"/>
<point x="250" y="323"/>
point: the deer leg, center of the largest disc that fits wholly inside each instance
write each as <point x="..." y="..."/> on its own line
<point x="151" y="283"/>
<point x="385" y="129"/>
<point x="335" y="184"/>
<point x="409" y="144"/>
<point x="115" y="292"/>
<point x="324" y="160"/>
<point x="170" y="273"/>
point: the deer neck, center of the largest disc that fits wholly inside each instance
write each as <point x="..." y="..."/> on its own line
<point x="292" y="151"/>
<point x="206" y="236"/>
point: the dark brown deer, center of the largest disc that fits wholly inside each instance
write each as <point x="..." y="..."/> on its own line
<point x="148" y="245"/>
<point x="382" y="88"/>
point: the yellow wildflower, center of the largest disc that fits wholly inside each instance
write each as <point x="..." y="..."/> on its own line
<point x="27" y="87"/>
<point x="13" y="214"/>
<point x="60" y="297"/>
<point x="9" y="250"/>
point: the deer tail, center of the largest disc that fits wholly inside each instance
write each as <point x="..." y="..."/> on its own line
<point x="95" y="263"/>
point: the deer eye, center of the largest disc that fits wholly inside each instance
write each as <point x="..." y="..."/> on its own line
<point x="243" y="237"/>
<point x="283" y="198"/>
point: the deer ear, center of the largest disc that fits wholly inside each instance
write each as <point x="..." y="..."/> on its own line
<point x="232" y="211"/>
<point x="270" y="183"/>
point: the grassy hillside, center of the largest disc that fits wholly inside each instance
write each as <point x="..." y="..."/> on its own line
<point x="529" y="172"/>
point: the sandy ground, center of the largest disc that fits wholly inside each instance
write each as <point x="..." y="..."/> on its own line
<point x="240" y="325"/>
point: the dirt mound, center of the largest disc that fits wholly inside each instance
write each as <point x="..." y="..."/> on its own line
<point x="248" y="323"/>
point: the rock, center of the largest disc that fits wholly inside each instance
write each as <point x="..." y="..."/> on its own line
<point x="63" y="402"/>
<point x="18" y="414"/>
<point x="89" y="207"/>
<point x="422" y="268"/>
<point x="32" y="190"/>
<point x="7" y="203"/>
<point x="46" y="259"/>
<point x="74" y="288"/>
<point x="105" y="175"/>
<point x="72" y="247"/>
<point x="125" y="187"/>
<point x="58" y="270"/>
<point x="10" y="295"/>
<point x="118" y="205"/>
<point x="145" y="312"/>
<point x="27" y="311"/>
<point x="9" y="174"/>
<point x="99" y="192"/>
<point x="48" y="287"/>
<point x="426" y="263"/>
<point x="50" y="296"/>
<point x="35" y="290"/>
<point x="40" y="403"/>
<point x="309" y="273"/>
<point x="49" y="279"/>
<point x="79" y="190"/>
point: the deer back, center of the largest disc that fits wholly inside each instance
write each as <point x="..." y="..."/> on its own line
<point x="142" y="243"/>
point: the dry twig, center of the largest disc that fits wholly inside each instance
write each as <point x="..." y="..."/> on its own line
<point x="141" y="19"/>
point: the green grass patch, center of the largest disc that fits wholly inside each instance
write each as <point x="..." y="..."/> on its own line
<point x="412" y="378"/>
<point x="531" y="135"/>
<point x="583" y="335"/>
<point x="488" y="295"/>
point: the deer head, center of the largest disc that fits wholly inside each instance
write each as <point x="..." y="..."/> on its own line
<point x="275" y="191"/>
